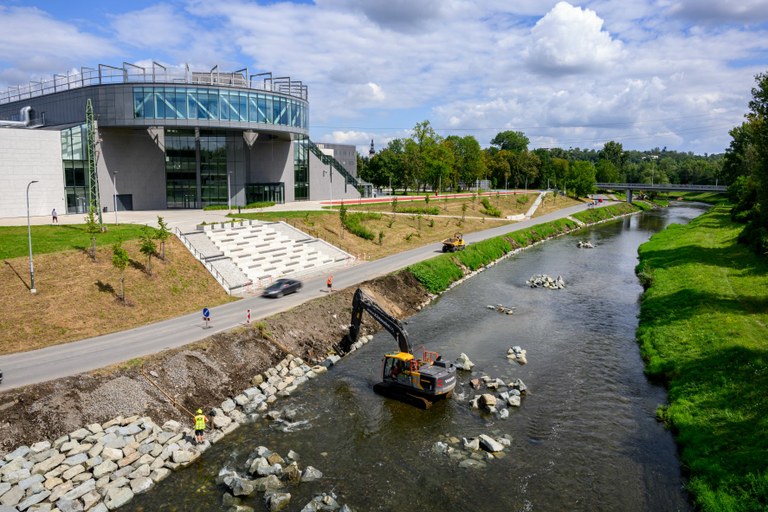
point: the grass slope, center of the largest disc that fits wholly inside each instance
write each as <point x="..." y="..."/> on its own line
<point x="63" y="237"/>
<point x="704" y="331"/>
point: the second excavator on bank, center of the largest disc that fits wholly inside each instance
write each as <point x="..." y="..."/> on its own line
<point x="419" y="381"/>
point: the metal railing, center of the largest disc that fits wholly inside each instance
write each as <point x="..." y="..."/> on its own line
<point x="663" y="186"/>
<point x="156" y="73"/>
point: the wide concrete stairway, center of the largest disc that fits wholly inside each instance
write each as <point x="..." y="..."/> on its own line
<point x="249" y="255"/>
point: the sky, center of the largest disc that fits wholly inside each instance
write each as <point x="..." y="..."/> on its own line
<point x="673" y="74"/>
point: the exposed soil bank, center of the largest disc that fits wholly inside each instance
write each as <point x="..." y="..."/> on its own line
<point x="199" y="375"/>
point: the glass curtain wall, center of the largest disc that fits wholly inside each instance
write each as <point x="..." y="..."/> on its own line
<point x="261" y="192"/>
<point x="301" y="169"/>
<point x="180" y="169"/>
<point x="75" y="165"/>
<point x="213" y="168"/>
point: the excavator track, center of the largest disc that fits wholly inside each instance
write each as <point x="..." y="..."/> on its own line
<point x="402" y="395"/>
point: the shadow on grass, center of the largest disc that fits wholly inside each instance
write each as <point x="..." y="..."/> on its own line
<point x="719" y="410"/>
<point x="137" y="265"/>
<point x="18" y="275"/>
<point x="105" y="287"/>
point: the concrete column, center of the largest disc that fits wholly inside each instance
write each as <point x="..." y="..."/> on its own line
<point x="629" y="195"/>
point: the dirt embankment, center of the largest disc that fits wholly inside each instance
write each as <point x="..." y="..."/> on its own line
<point x="202" y="374"/>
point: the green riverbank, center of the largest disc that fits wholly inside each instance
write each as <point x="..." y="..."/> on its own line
<point x="704" y="333"/>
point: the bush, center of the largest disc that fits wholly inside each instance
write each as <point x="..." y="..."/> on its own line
<point x="260" y="204"/>
<point x="429" y="210"/>
<point x="489" y="209"/>
<point x="215" y="207"/>
<point x="354" y="224"/>
<point x="437" y="274"/>
<point x="522" y="199"/>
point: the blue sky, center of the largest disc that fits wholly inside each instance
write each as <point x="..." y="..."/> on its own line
<point x="645" y="73"/>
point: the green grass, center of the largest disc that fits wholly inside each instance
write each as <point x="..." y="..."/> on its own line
<point x="274" y="216"/>
<point x="703" y="331"/>
<point x="63" y="237"/>
<point x="591" y="215"/>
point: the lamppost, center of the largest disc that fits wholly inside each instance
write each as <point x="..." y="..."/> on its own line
<point x="330" y="187"/>
<point x="229" y="192"/>
<point x="29" y="238"/>
<point x="114" y="186"/>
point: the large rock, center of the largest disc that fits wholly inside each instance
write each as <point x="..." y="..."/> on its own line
<point x="47" y="465"/>
<point x="463" y="362"/>
<point x="277" y="501"/>
<point x="311" y="474"/>
<point x="489" y="444"/>
<point x="487" y="400"/>
<point x="117" y="497"/>
<point x="242" y="486"/>
<point x="268" y="483"/>
<point x="141" y="484"/>
<point x="221" y="421"/>
<point x="12" y="497"/>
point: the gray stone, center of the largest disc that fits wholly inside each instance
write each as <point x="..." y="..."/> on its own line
<point x="268" y="483"/>
<point x="183" y="456"/>
<point x="105" y="468"/>
<point x="90" y="499"/>
<point x="12" y="497"/>
<point x="34" y="458"/>
<point x="472" y="464"/>
<point x="277" y="501"/>
<point x="472" y="444"/>
<point x="117" y="497"/>
<point x="72" y="472"/>
<point x="40" y="447"/>
<point x="76" y="459"/>
<point x="221" y="421"/>
<point x="489" y="444"/>
<point x="96" y="449"/>
<point x="122" y="472"/>
<point x="129" y="430"/>
<point x="159" y="474"/>
<point x="311" y="474"/>
<point x="65" y="505"/>
<point x="100" y="507"/>
<point x="141" y="484"/>
<point x="93" y="462"/>
<point x="242" y="486"/>
<point x="81" y="489"/>
<point x="29" y="482"/>
<point x="4" y="487"/>
<point x="80" y="433"/>
<point x="17" y="476"/>
<point x="60" y="490"/>
<point x="171" y="426"/>
<point x="228" y="405"/>
<point x="130" y="459"/>
<point x="18" y="453"/>
<point x="141" y="471"/>
<point x="32" y="500"/>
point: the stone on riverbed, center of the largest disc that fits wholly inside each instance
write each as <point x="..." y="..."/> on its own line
<point x="463" y="362"/>
<point x="545" y="281"/>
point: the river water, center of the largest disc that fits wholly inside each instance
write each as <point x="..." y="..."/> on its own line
<point x="584" y="439"/>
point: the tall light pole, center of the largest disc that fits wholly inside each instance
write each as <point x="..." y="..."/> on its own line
<point x="114" y="186"/>
<point x="229" y="192"/>
<point x="330" y="187"/>
<point x="29" y="238"/>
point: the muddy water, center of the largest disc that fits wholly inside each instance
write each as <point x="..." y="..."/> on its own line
<point x="585" y="438"/>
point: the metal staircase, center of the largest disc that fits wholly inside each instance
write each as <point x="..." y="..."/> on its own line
<point x="365" y="188"/>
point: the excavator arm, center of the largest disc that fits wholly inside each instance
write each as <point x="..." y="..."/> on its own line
<point x="362" y="302"/>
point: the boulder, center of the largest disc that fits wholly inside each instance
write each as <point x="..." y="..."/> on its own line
<point x="117" y="497"/>
<point x="489" y="444"/>
<point x="277" y="500"/>
<point x="487" y="400"/>
<point x="463" y="362"/>
<point x="268" y="483"/>
<point x="311" y="474"/>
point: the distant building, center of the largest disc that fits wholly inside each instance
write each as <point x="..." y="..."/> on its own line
<point x="345" y="154"/>
<point x="163" y="139"/>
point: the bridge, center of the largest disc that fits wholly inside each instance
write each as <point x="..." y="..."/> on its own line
<point x="661" y="187"/>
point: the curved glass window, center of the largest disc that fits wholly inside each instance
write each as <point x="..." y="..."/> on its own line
<point x="218" y="105"/>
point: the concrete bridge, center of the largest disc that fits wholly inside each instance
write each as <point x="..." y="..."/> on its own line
<point x="668" y="187"/>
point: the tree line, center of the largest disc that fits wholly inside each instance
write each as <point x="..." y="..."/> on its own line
<point x="426" y="161"/>
<point x="746" y="168"/>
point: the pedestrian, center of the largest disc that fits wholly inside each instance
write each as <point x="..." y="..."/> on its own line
<point x="200" y="421"/>
<point x="329" y="283"/>
<point x="54" y="216"/>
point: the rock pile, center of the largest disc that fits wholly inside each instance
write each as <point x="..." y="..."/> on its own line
<point x="585" y="244"/>
<point x="502" y="395"/>
<point x="267" y="472"/>
<point x="502" y="309"/>
<point x="475" y="452"/>
<point x="517" y="354"/>
<point x="102" y="466"/>
<point x="545" y="281"/>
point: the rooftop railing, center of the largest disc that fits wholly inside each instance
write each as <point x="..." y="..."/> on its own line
<point x="156" y="73"/>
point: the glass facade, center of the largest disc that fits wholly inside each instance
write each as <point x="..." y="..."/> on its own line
<point x="75" y="165"/>
<point x="301" y="169"/>
<point x="218" y="105"/>
<point x="180" y="169"/>
<point x="260" y="192"/>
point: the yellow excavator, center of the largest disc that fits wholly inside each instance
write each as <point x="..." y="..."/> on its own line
<point x="454" y="243"/>
<point x="418" y="381"/>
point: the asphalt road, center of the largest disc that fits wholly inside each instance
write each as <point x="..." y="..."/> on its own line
<point x="25" y="368"/>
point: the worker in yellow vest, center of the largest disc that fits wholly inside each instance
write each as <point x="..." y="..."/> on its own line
<point x="200" y="421"/>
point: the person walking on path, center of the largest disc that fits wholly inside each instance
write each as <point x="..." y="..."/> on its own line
<point x="200" y="421"/>
<point x="329" y="283"/>
<point x="54" y="217"/>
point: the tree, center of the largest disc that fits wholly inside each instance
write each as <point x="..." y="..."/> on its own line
<point x="162" y="234"/>
<point x="581" y="179"/>
<point x="147" y="246"/>
<point x="469" y="162"/>
<point x="120" y="261"/>
<point x="92" y="227"/>
<point x="497" y="163"/>
<point x="606" y="172"/>
<point x="511" y="141"/>
<point x="614" y="153"/>
<point x="343" y="217"/>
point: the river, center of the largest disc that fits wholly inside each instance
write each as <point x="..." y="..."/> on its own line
<point x="584" y="439"/>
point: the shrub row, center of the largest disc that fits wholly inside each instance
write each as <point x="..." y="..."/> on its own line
<point x="592" y="215"/>
<point x="489" y="209"/>
<point x="426" y="210"/>
<point x="354" y="224"/>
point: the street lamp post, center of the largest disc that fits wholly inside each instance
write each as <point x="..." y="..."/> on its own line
<point x="114" y="186"/>
<point x="29" y="238"/>
<point x="229" y="192"/>
<point x="330" y="187"/>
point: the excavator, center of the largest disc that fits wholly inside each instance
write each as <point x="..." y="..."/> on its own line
<point x="454" y="243"/>
<point x="419" y="382"/>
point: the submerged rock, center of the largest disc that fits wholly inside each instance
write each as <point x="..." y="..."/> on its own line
<point x="463" y="362"/>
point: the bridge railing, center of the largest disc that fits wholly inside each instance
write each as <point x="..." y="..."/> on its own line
<point x="663" y="186"/>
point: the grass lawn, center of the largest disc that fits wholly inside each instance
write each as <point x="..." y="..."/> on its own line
<point x="704" y="331"/>
<point x="77" y="297"/>
<point x="64" y="237"/>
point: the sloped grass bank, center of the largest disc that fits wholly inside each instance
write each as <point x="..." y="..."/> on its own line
<point x="704" y="332"/>
<point x="438" y="273"/>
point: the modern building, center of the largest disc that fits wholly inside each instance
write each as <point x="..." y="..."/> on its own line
<point x="151" y="138"/>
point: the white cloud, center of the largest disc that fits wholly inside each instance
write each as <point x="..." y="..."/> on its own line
<point x="571" y="40"/>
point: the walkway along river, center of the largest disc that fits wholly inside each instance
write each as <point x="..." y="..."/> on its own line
<point x="584" y="439"/>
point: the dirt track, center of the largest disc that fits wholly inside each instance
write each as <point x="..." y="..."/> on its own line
<point x="202" y="374"/>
